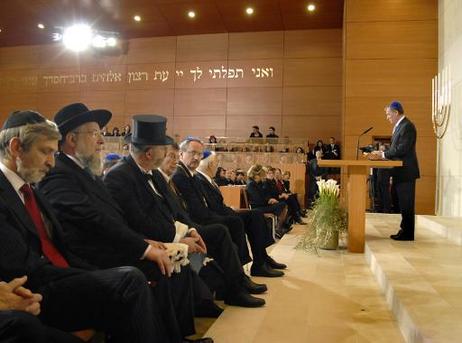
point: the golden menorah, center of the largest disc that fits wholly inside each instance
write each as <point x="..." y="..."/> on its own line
<point x="441" y="102"/>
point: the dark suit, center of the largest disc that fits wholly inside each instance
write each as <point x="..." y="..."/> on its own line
<point x="402" y="148"/>
<point x="259" y="235"/>
<point x="259" y="197"/>
<point x="152" y="214"/>
<point x="96" y="230"/>
<point x="116" y="300"/>
<point x="200" y="211"/>
<point x="22" y="327"/>
<point x="332" y="152"/>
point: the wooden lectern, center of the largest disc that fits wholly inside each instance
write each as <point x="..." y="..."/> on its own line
<point x="356" y="172"/>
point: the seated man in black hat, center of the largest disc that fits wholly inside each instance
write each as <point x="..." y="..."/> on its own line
<point x="94" y="226"/>
<point x="147" y="211"/>
<point x="117" y="301"/>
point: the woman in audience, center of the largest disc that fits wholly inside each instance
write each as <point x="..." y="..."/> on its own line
<point x="240" y="178"/>
<point x="127" y="130"/>
<point x="220" y="177"/>
<point x="231" y="176"/>
<point x="283" y="186"/>
<point x="271" y="187"/>
<point x="115" y="132"/>
<point x="261" y="201"/>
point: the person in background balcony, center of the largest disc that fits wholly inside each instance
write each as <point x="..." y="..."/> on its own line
<point x="256" y="132"/>
<point x="220" y="177"/>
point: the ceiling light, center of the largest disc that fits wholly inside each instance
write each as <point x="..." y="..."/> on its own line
<point x="111" y="41"/>
<point x="249" y="10"/>
<point x="40" y="26"/>
<point x="191" y="14"/>
<point x="137" y="18"/>
<point x="77" y="37"/>
<point x="311" y="7"/>
<point x="98" y="41"/>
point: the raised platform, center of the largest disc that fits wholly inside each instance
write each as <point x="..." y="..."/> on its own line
<point x="421" y="280"/>
<point x="332" y="298"/>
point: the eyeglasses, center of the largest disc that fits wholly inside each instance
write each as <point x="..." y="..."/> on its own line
<point x="195" y="153"/>
<point x="94" y="133"/>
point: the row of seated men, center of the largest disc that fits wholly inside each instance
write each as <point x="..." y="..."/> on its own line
<point x="86" y="254"/>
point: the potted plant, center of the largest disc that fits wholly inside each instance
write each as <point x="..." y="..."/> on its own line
<point x="326" y="220"/>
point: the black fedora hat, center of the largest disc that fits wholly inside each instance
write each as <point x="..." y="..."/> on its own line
<point x="77" y="114"/>
<point x="149" y="129"/>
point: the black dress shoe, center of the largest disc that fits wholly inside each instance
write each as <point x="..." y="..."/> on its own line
<point x="199" y="340"/>
<point x="300" y="222"/>
<point x="400" y="232"/>
<point x="207" y="309"/>
<point x="244" y="299"/>
<point x="402" y="238"/>
<point x="253" y="287"/>
<point x="273" y="264"/>
<point x="265" y="271"/>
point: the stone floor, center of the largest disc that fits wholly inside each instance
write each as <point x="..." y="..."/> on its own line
<point x="329" y="298"/>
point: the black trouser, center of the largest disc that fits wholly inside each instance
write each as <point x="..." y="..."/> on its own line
<point x="237" y="231"/>
<point x="293" y="206"/>
<point x="405" y="192"/>
<point x="22" y="327"/>
<point x="221" y="247"/>
<point x="175" y="297"/>
<point x="117" y="301"/>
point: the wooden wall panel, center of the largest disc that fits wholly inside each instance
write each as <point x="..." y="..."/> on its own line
<point x="151" y="50"/>
<point x="375" y="40"/>
<point x="200" y="102"/>
<point x="312" y="127"/>
<point x="384" y="11"/>
<point x="391" y="54"/>
<point x="305" y="44"/>
<point x="313" y="72"/>
<point x="260" y="101"/>
<point x="312" y="100"/>
<point x="215" y="83"/>
<point x="195" y="48"/>
<point x="252" y="45"/>
<point x="156" y="101"/>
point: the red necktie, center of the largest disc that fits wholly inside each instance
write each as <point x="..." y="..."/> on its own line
<point x="48" y="248"/>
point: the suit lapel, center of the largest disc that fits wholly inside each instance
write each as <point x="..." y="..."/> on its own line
<point x="10" y="197"/>
<point x="159" y="201"/>
<point x="94" y="186"/>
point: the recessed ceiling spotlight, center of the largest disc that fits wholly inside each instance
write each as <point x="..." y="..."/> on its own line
<point x="191" y="14"/>
<point x="311" y="7"/>
<point x="249" y="10"/>
<point x="137" y="18"/>
<point x="40" y="26"/>
<point x="111" y="41"/>
<point x="77" y="37"/>
<point x="0" y="30"/>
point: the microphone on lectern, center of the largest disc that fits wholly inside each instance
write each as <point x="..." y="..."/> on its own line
<point x="357" y="143"/>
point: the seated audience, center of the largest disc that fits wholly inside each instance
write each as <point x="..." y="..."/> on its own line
<point x="289" y="197"/>
<point x="115" y="132"/>
<point x="213" y="140"/>
<point x="260" y="201"/>
<point x="240" y="178"/>
<point x="143" y="200"/>
<point x="117" y="301"/>
<point x="94" y="226"/>
<point x="204" y="210"/>
<point x="259" y="235"/>
<point x="230" y="176"/>
<point x="299" y="150"/>
<point x="332" y="151"/>
<point x="110" y="160"/>
<point x="220" y="177"/>
<point x="127" y="130"/>
<point x="256" y="132"/>
<point x="272" y="133"/>
<point x="315" y="173"/>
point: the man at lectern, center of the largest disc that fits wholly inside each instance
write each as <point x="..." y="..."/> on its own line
<point x="402" y="148"/>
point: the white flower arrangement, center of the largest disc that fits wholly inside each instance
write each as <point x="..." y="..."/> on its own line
<point x="327" y="219"/>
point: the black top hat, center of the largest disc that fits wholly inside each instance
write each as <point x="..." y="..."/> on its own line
<point x="20" y="118"/>
<point x="149" y="129"/>
<point x="75" y="115"/>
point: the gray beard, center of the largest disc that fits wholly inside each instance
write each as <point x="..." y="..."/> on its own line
<point x="92" y="162"/>
<point x="29" y="175"/>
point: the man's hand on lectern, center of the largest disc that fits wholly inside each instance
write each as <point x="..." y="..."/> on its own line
<point x="375" y="156"/>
